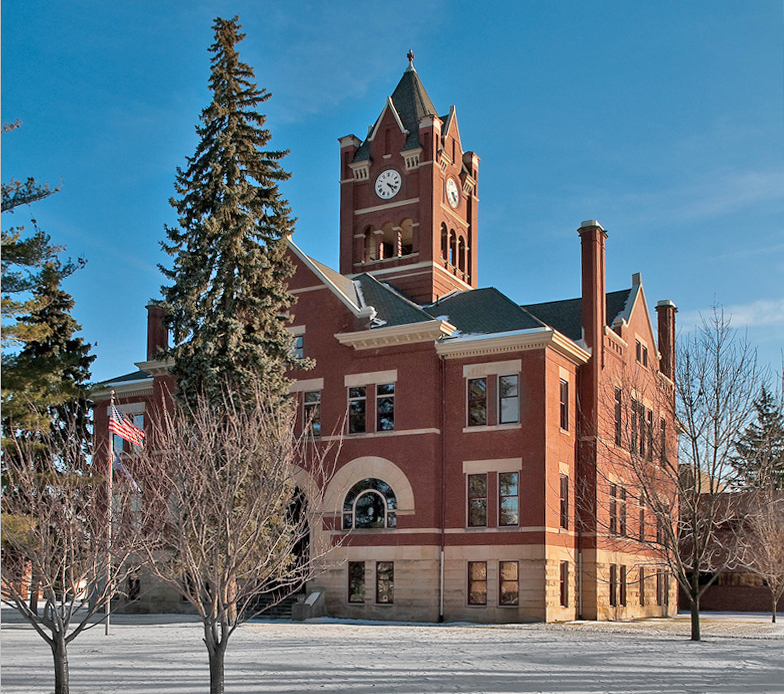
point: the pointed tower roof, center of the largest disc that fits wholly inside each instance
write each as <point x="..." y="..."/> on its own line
<point x="411" y="101"/>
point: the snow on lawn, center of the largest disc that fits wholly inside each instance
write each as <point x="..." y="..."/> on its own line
<point x="164" y="654"/>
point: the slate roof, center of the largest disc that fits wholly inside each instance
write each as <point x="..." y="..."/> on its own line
<point x="482" y="311"/>
<point x="137" y="375"/>
<point x="566" y="316"/>
<point x="392" y="307"/>
<point x="411" y="103"/>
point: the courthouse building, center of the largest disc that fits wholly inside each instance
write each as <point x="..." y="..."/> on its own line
<point x="474" y="480"/>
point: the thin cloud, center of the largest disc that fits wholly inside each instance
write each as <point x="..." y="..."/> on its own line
<point x="762" y="313"/>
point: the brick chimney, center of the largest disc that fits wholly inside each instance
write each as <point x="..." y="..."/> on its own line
<point x="157" y="333"/>
<point x="666" y="311"/>
<point x="594" y="307"/>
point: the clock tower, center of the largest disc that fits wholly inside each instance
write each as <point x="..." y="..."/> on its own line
<point x="408" y="198"/>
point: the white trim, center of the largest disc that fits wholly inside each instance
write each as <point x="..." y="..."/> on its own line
<point x="424" y="331"/>
<point x="492" y="368"/>
<point x="307" y="385"/>
<point x="386" y="206"/>
<point x="492" y="427"/>
<point x="296" y="330"/>
<point x="379" y="434"/>
<point x="370" y="378"/>
<point x="513" y="341"/>
<point x="472" y="467"/>
<point x="132" y="408"/>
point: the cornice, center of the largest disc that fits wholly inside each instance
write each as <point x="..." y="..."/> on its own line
<point x="426" y="331"/>
<point x="128" y="389"/>
<point x="156" y="367"/>
<point x="517" y="341"/>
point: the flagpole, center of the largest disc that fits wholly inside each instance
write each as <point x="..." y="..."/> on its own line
<point x="110" y="493"/>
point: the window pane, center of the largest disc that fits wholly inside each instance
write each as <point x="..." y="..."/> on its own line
<point x="477" y="402"/>
<point x="508" y="498"/>
<point x="385" y="407"/>
<point x="477" y="583"/>
<point x="369" y="510"/>
<point x="478" y="513"/>
<point x="509" y="402"/>
<point x="356" y="410"/>
<point x="385" y="582"/>
<point x="477" y="486"/>
<point x="509" y="585"/>
<point x="356" y="581"/>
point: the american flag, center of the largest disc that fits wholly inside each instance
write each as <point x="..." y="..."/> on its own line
<point x="122" y="426"/>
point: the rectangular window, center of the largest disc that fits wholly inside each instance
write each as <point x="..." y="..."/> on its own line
<point x="299" y="347"/>
<point x="356" y="581"/>
<point x="564" y="583"/>
<point x="622" y="585"/>
<point x="649" y="433"/>
<point x="659" y="531"/>
<point x="385" y="582"/>
<point x="642" y="354"/>
<point x="613" y="585"/>
<point x="565" y="502"/>
<point x="477" y="402"/>
<point x="622" y="511"/>
<point x="508" y="400"/>
<point x="666" y="588"/>
<point x="509" y="584"/>
<point x="642" y="586"/>
<point x="508" y="498"/>
<point x="618" y="417"/>
<point x="659" y="588"/>
<point x="642" y="519"/>
<point x="477" y="500"/>
<point x="477" y="583"/>
<point x="356" y="410"/>
<point x="385" y="407"/>
<point x="663" y="442"/>
<point x="564" y="396"/>
<point x="613" y="509"/>
<point x="312" y="411"/>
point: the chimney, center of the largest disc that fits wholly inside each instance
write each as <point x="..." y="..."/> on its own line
<point x="594" y="306"/>
<point x="666" y="311"/>
<point x="157" y="333"/>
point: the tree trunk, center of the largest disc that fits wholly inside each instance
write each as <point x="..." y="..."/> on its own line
<point x="216" y="669"/>
<point x="60" y="655"/>
<point x="773" y="613"/>
<point x="695" y="619"/>
<point x="34" y="590"/>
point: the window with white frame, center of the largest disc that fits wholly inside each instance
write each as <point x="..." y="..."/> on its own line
<point x="385" y="407"/>
<point x="477" y="402"/>
<point x="298" y="350"/>
<point x="385" y="582"/>
<point x="508" y="583"/>
<point x="477" y="500"/>
<point x="508" y="399"/>
<point x="370" y="503"/>
<point x="508" y="499"/>
<point x="311" y="405"/>
<point x="357" y="414"/>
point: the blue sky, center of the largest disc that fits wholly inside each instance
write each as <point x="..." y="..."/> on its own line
<point x="663" y="120"/>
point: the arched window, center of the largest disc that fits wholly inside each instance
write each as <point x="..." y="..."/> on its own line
<point x="444" y="242"/>
<point x="461" y="255"/>
<point x="370" y="503"/>
<point x="452" y="248"/>
<point x="389" y="244"/>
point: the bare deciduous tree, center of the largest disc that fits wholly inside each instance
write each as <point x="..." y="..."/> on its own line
<point x="231" y="510"/>
<point x="763" y="551"/>
<point x="690" y="522"/>
<point x="55" y="528"/>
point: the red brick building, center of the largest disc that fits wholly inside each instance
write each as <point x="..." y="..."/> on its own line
<point x="468" y="421"/>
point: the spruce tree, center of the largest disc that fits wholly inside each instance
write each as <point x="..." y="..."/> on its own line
<point x="760" y="448"/>
<point x="228" y="300"/>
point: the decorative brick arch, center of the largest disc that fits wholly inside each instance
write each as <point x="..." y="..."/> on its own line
<point x="362" y="468"/>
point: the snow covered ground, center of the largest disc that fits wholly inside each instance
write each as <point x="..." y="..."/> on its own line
<point x="164" y="654"/>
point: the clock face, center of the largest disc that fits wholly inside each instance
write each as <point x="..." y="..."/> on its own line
<point x="388" y="184"/>
<point x="452" y="193"/>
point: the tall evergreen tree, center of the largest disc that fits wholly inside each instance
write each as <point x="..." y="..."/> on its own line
<point x="760" y="448"/>
<point x="228" y="299"/>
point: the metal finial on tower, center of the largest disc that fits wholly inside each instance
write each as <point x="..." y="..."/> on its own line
<point x="410" y="56"/>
